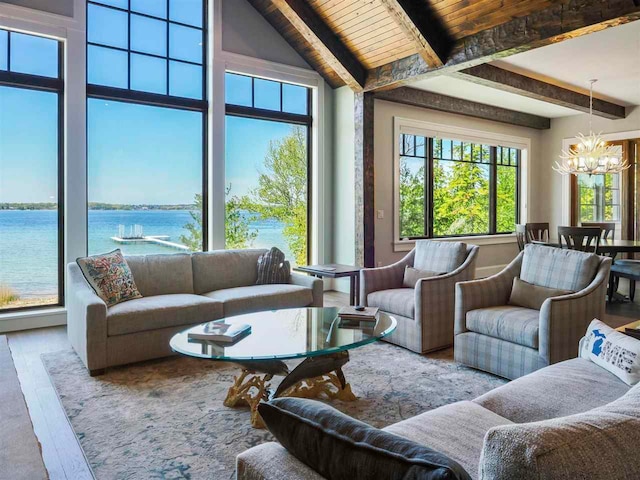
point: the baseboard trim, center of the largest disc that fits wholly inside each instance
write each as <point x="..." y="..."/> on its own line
<point x="29" y="320"/>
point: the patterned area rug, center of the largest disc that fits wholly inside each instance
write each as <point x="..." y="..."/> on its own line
<point x="165" y="419"/>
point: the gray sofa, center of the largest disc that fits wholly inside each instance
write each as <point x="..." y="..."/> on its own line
<point x="178" y="291"/>
<point x="566" y="421"/>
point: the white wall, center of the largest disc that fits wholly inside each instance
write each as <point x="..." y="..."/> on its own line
<point x="550" y="206"/>
<point x="493" y="255"/>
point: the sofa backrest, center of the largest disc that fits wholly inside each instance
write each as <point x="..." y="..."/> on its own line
<point x="558" y="268"/>
<point x="162" y="274"/>
<point x="440" y="257"/>
<point x="225" y="269"/>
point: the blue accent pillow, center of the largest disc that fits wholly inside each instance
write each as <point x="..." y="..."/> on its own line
<point x="339" y="447"/>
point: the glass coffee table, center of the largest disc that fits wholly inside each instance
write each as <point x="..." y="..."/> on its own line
<point x="316" y="335"/>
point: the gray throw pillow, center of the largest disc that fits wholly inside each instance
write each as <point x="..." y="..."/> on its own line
<point x="273" y="268"/>
<point x="412" y="275"/>
<point x="339" y="447"/>
<point x="527" y="295"/>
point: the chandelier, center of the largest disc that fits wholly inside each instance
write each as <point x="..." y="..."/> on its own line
<point x="592" y="155"/>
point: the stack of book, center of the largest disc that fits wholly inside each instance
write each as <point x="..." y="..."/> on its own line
<point x="358" y="313"/>
<point x="219" y="332"/>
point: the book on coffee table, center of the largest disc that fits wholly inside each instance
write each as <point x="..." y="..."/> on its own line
<point x="220" y="332"/>
<point x="352" y="313"/>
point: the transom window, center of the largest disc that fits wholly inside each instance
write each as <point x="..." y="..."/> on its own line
<point x="154" y="46"/>
<point x="450" y="187"/>
<point x="263" y="94"/>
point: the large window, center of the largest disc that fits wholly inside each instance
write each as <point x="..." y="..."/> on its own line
<point x="451" y="187"/>
<point x="146" y="125"/>
<point x="267" y="165"/>
<point x="599" y="197"/>
<point x="31" y="88"/>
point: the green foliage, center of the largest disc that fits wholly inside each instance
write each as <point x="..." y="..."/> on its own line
<point x="194" y="239"/>
<point x="411" y="201"/>
<point x="7" y="295"/>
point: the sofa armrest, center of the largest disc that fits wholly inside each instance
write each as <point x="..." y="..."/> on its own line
<point x="315" y="284"/>
<point x="564" y="319"/>
<point x="86" y="320"/>
<point x="271" y="461"/>
<point x="487" y="292"/>
<point x="383" y="278"/>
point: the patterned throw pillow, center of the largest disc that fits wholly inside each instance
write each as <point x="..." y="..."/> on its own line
<point x="110" y="277"/>
<point x="273" y="268"/>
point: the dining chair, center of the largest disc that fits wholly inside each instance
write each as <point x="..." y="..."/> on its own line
<point x="537" y="232"/>
<point x="584" y="239"/>
<point x="521" y="236"/>
<point x="608" y="229"/>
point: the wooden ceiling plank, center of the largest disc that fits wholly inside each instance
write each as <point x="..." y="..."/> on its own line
<point x="494" y="77"/>
<point x="324" y="40"/>
<point x="554" y="24"/>
<point x="423" y="28"/>
<point x="444" y="103"/>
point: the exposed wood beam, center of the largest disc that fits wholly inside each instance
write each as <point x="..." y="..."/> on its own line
<point x="501" y="79"/>
<point x="306" y="21"/>
<point x="364" y="180"/>
<point x="443" y="103"/>
<point x="420" y="24"/>
<point x="561" y="21"/>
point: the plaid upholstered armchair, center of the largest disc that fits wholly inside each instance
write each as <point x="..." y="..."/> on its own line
<point x="423" y="307"/>
<point x="493" y="332"/>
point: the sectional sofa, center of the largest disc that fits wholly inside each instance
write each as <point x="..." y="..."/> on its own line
<point x="178" y="291"/>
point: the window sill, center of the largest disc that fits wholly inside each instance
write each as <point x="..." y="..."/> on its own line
<point x="28" y="319"/>
<point x="407" y="245"/>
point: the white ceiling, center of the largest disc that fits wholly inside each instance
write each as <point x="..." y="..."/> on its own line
<point x="612" y="56"/>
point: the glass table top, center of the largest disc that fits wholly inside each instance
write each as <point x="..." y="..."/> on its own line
<point x="289" y="333"/>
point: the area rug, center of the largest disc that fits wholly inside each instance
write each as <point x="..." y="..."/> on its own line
<point x="165" y="419"/>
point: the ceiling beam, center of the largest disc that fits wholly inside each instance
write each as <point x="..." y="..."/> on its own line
<point x="494" y="77"/>
<point x="420" y="24"/>
<point x="560" y="21"/>
<point x="443" y="103"/>
<point x="306" y="21"/>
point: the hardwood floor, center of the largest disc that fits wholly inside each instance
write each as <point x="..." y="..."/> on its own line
<point x="61" y="451"/>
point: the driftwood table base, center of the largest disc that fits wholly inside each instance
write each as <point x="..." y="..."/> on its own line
<point x="314" y="377"/>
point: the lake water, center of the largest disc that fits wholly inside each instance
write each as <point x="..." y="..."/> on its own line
<point x="28" y="242"/>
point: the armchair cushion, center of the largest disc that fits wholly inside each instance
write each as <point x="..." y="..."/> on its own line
<point x="400" y="301"/>
<point x="412" y="275"/>
<point x="513" y="324"/>
<point x="559" y="268"/>
<point x="532" y="296"/>
<point x="439" y="256"/>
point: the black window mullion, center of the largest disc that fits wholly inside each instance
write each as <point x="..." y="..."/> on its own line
<point x="129" y="45"/>
<point x="493" y="190"/>
<point x="8" y="51"/>
<point x="168" y="29"/>
<point x="428" y="213"/>
<point x="518" y="162"/>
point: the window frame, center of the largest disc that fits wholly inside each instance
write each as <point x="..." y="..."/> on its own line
<point x="51" y="85"/>
<point x="159" y="100"/>
<point x="283" y="117"/>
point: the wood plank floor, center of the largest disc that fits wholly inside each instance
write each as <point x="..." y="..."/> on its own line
<point x="61" y="451"/>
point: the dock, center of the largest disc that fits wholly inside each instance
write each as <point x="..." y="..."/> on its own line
<point x="157" y="239"/>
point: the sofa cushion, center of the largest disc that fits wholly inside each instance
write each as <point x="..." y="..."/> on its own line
<point x="253" y="298"/>
<point x="456" y="430"/>
<point x="161" y="311"/>
<point x="162" y="274"/>
<point x="558" y="268"/>
<point x="342" y="448"/>
<point x="513" y="324"/>
<point x="273" y="268"/>
<point x="225" y="269"/>
<point x="400" y="301"/>
<point x="598" y="444"/>
<point x="561" y="389"/>
<point x="437" y="256"/>
<point x="527" y="295"/>
<point x="413" y="275"/>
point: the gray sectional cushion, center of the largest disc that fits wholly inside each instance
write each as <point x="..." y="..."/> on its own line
<point x="161" y="311"/>
<point x="437" y="256"/>
<point x="253" y="298"/>
<point x="564" y="388"/>
<point x="558" y="268"/>
<point x="600" y="444"/>
<point x="514" y="324"/>
<point x="400" y="301"/>
<point x="225" y="269"/>
<point x="162" y="274"/>
<point x="456" y="430"/>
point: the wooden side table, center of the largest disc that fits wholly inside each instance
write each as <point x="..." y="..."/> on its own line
<point x="623" y="328"/>
<point x="336" y="270"/>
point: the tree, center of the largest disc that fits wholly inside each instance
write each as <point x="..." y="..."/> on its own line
<point x="194" y="239"/>
<point x="411" y="201"/>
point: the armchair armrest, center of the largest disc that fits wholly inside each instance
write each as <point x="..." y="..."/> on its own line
<point x="383" y="278"/>
<point x="86" y="320"/>
<point x="564" y="319"/>
<point x="487" y="292"/>
<point x="315" y="284"/>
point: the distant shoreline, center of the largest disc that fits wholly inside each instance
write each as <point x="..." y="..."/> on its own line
<point x="98" y="206"/>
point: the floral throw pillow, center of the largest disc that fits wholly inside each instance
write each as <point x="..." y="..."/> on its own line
<point x="110" y="277"/>
<point x="273" y="268"/>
